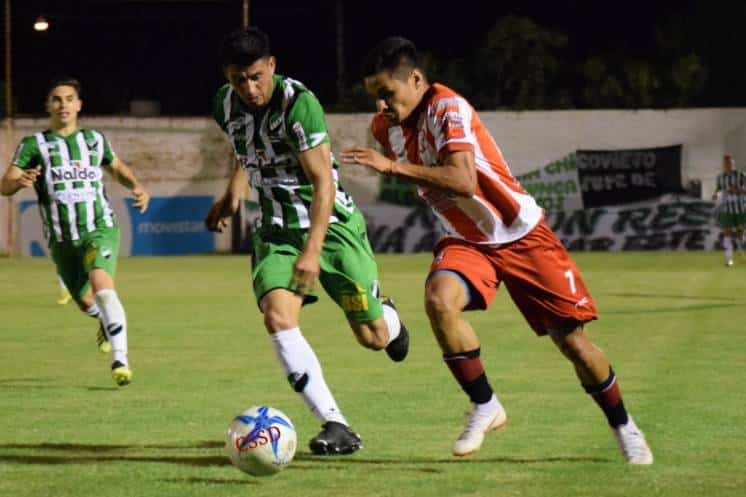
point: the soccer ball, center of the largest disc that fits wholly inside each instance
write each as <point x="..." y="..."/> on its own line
<point x="260" y="441"/>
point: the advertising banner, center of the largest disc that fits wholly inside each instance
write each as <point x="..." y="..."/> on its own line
<point x="669" y="222"/>
<point x="170" y="226"/>
<point x="614" y="177"/>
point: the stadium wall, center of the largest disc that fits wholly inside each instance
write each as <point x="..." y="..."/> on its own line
<point x="189" y="158"/>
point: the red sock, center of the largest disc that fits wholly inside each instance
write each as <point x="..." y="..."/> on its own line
<point x="467" y="368"/>
<point x="608" y="396"/>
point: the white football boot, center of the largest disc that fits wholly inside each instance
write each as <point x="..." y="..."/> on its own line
<point x="632" y="443"/>
<point x="483" y="418"/>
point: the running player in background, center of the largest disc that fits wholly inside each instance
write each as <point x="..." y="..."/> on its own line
<point x="730" y="195"/>
<point x="64" y="297"/>
<point x="496" y="233"/>
<point x="309" y="227"/>
<point x="64" y="164"/>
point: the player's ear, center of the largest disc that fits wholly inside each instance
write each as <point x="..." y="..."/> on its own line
<point x="418" y="77"/>
<point x="272" y="63"/>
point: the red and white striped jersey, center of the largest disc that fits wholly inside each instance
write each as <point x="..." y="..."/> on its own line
<point x="500" y="211"/>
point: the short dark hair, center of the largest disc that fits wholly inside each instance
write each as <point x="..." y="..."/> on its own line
<point x="65" y="81"/>
<point x="243" y="47"/>
<point x="390" y="54"/>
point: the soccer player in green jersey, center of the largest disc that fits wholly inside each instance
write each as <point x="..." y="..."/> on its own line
<point x="309" y="227"/>
<point x="64" y="164"/>
<point x="730" y="193"/>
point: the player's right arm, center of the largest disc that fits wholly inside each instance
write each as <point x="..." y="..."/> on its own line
<point x="16" y="178"/>
<point x="218" y="215"/>
<point x="456" y="173"/>
<point x="23" y="170"/>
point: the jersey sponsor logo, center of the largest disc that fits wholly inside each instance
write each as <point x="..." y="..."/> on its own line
<point x="257" y="180"/>
<point x="76" y="172"/>
<point x="454" y="119"/>
<point x="74" y="196"/>
<point x="582" y="302"/>
<point x="354" y="301"/>
<point x="90" y="254"/>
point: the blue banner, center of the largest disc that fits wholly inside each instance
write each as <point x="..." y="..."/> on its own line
<point x="171" y="226"/>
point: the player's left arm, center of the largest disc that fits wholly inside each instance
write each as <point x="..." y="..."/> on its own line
<point x="123" y="174"/>
<point x="310" y="138"/>
<point x="316" y="163"/>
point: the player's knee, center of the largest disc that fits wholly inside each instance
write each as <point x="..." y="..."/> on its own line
<point x="276" y="320"/>
<point x="438" y="305"/>
<point x="574" y="345"/>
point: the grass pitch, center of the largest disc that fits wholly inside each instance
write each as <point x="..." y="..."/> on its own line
<point x="673" y="325"/>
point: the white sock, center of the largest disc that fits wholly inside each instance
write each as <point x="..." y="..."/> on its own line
<point x="297" y="359"/>
<point x="392" y="322"/>
<point x="93" y="311"/>
<point x="62" y="283"/>
<point x="488" y="407"/>
<point x="728" y="244"/>
<point x="115" y="323"/>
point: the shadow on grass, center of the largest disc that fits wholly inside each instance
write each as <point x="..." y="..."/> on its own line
<point x="25" y="383"/>
<point x="212" y="481"/>
<point x="75" y="454"/>
<point x="669" y="296"/>
<point x="688" y="308"/>
<point x="39" y="383"/>
<point x="75" y="447"/>
<point x="199" y="461"/>
<point x="453" y="460"/>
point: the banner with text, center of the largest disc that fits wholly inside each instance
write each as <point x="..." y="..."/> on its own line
<point x="669" y="222"/>
<point x="614" y="177"/>
<point x="170" y="226"/>
<point x="594" y="178"/>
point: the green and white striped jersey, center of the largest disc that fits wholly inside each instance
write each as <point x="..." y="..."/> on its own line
<point x="70" y="189"/>
<point x="268" y="141"/>
<point x="732" y="203"/>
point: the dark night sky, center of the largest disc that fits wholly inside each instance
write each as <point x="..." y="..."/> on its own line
<point x="166" y="50"/>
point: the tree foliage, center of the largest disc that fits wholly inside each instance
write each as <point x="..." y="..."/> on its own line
<point x="696" y="60"/>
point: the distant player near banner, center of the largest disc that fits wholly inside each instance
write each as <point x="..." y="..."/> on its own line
<point x="496" y="233"/>
<point x="64" y="164"/>
<point x="730" y="195"/>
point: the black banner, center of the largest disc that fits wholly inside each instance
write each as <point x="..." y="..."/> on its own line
<point x="613" y="177"/>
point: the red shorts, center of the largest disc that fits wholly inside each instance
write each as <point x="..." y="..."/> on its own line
<point x="540" y="277"/>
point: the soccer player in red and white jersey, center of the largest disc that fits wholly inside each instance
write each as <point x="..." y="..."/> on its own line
<point x="496" y="233"/>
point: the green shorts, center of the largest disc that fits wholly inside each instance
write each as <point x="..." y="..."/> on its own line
<point x="349" y="273"/>
<point x="75" y="259"/>
<point x="728" y="220"/>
